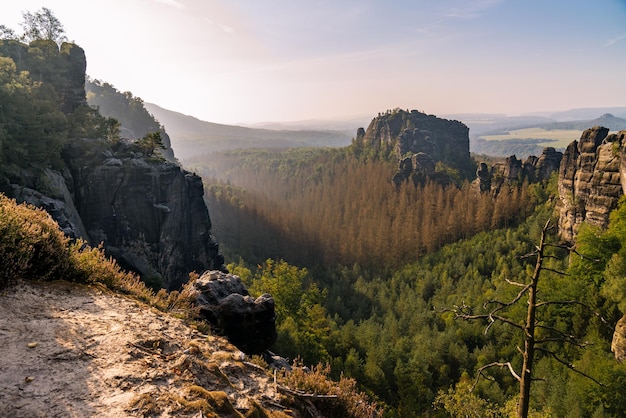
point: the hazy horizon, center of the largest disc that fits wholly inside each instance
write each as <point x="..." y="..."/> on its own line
<point x="248" y="62"/>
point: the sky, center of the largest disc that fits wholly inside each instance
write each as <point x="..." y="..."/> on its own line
<point x="251" y="61"/>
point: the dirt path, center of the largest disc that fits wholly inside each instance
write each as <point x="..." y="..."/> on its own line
<point x="75" y="351"/>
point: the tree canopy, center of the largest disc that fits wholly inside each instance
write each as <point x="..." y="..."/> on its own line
<point x="42" y="24"/>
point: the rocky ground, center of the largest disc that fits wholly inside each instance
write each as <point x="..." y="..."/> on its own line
<point x="75" y="351"/>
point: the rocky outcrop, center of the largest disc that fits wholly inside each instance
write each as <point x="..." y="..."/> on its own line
<point x="61" y="67"/>
<point x="513" y="170"/>
<point x="590" y="180"/>
<point x="618" y="345"/>
<point x="418" y="167"/>
<point x="144" y="209"/>
<point x="418" y="138"/>
<point x="57" y="201"/>
<point x="541" y="168"/>
<point x="148" y="213"/>
<point x="248" y="323"/>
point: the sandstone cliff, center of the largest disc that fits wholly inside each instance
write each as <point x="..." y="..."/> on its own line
<point x="148" y="213"/>
<point x="533" y="169"/>
<point x="419" y="141"/>
<point x="140" y="204"/>
<point x="592" y="177"/>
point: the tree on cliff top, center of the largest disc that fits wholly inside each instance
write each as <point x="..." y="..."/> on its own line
<point x="42" y="24"/>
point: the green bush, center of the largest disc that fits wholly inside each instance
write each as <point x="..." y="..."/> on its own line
<point x="31" y="244"/>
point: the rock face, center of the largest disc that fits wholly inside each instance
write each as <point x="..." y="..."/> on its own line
<point x="149" y="214"/>
<point x="417" y="167"/>
<point x="534" y="169"/>
<point x="591" y="180"/>
<point x="416" y="139"/>
<point x="248" y="323"/>
<point x="618" y="345"/>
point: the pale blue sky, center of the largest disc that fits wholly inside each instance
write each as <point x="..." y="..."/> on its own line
<point x="280" y="60"/>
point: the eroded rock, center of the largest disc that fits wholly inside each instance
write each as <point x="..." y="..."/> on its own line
<point x="590" y="180"/>
<point x="248" y="323"/>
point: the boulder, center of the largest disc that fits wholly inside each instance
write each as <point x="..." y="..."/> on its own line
<point x="618" y="345"/>
<point x="513" y="170"/>
<point x="224" y="301"/>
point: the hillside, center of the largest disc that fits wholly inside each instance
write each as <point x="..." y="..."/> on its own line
<point x="81" y="337"/>
<point x="192" y="137"/>
<point x="70" y="350"/>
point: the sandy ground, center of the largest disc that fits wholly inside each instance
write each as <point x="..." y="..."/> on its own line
<point x="76" y="351"/>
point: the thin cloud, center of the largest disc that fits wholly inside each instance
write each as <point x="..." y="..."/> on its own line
<point x="615" y="40"/>
<point x="471" y="10"/>
<point x="223" y="27"/>
<point x="172" y="3"/>
<point x="227" y="29"/>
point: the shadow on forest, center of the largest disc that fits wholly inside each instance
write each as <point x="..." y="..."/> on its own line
<point x="255" y="239"/>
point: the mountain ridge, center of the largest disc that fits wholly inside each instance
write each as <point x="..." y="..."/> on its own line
<point x="191" y="136"/>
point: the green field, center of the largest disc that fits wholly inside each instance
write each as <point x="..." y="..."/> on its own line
<point x="558" y="138"/>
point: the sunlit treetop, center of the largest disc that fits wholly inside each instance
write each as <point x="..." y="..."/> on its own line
<point x="42" y="24"/>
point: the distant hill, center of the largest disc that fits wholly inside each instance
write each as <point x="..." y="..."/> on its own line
<point x="607" y="120"/>
<point x="502" y="136"/>
<point x="192" y="137"/>
<point x="348" y="124"/>
<point x="481" y="123"/>
<point x="581" y="114"/>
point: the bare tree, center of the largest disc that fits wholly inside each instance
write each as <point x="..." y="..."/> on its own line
<point x="496" y="313"/>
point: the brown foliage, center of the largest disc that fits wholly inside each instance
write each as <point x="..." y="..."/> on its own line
<point x="341" y="210"/>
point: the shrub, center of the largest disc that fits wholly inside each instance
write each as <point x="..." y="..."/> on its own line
<point x="33" y="247"/>
<point x="350" y="402"/>
<point x="31" y="244"/>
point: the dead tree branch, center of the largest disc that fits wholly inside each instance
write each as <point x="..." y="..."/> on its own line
<point x="480" y="371"/>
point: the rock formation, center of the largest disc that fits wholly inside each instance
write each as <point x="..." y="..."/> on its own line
<point x="419" y="141"/>
<point x="533" y="169"/>
<point x="591" y="180"/>
<point x="248" y="323"/>
<point x="417" y="167"/>
<point x="62" y="67"/>
<point x="147" y="212"/>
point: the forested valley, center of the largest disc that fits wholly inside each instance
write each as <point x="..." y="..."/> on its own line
<point x="414" y="289"/>
<point x="367" y="277"/>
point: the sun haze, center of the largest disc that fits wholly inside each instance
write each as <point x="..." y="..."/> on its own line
<point x="249" y="61"/>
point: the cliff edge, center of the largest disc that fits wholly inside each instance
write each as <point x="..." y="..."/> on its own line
<point x="73" y="350"/>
